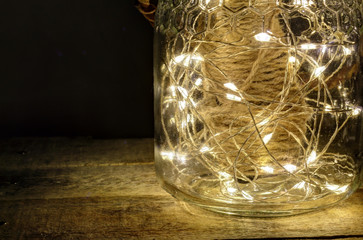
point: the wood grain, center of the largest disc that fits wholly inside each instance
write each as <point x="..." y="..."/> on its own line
<point x="106" y="189"/>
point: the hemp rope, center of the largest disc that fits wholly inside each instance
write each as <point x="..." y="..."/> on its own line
<point x="266" y="122"/>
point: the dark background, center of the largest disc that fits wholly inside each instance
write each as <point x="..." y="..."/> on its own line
<point x="75" y="68"/>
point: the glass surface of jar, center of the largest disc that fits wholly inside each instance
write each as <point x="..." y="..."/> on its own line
<point x="258" y="103"/>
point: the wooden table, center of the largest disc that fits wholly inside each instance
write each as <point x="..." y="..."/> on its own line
<point x="82" y="188"/>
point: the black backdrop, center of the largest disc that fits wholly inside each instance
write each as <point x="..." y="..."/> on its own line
<point x="75" y="68"/>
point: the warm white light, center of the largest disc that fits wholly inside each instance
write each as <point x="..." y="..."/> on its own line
<point x="267" y="169"/>
<point x="183" y="92"/>
<point x="356" y="111"/>
<point x="225" y="175"/>
<point x="347" y="51"/>
<point x="167" y="155"/>
<point x="180" y="58"/>
<point x="204" y="149"/>
<point x="230" y="186"/>
<point x="181" y="158"/>
<point x="231" y="86"/>
<point x="328" y="108"/>
<point x="190" y="118"/>
<point x="193" y="103"/>
<point x="171" y="156"/>
<point x="290" y="167"/>
<point x="304" y="3"/>
<point x="197" y="57"/>
<point x="233" y="97"/>
<point x="323" y="49"/>
<point x="318" y="71"/>
<point x="198" y="82"/>
<point x="308" y="46"/>
<point x="312" y="157"/>
<point x="172" y="89"/>
<point x="263" y="122"/>
<point x="263" y="37"/>
<point x="182" y="105"/>
<point x="231" y="189"/>
<point x="292" y="59"/>
<point x="345" y="92"/>
<point x="299" y="185"/>
<point x="186" y="58"/>
<point x="267" y="138"/>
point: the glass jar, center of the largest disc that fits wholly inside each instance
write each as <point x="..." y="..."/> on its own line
<point x="258" y="103"/>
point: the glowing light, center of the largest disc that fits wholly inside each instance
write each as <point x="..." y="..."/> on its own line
<point x="186" y="58"/>
<point x="190" y="118"/>
<point x="312" y="157"/>
<point x="292" y="59"/>
<point x="337" y="188"/>
<point x="230" y="186"/>
<point x="198" y="81"/>
<point x="328" y="108"/>
<point x="167" y="155"/>
<point x="182" y="105"/>
<point x="299" y="185"/>
<point x="233" y="97"/>
<point x="290" y="167"/>
<point x="263" y="37"/>
<point x="347" y="51"/>
<point x="179" y="59"/>
<point x="171" y="156"/>
<point x="173" y="92"/>
<point x="356" y="111"/>
<point x="345" y="92"/>
<point x="263" y="122"/>
<point x="231" y="86"/>
<point x="267" y="138"/>
<point x="183" y="92"/>
<point x="204" y="149"/>
<point x="304" y="3"/>
<point x="267" y="169"/>
<point x="225" y="175"/>
<point x="182" y="158"/>
<point x="231" y="189"/>
<point x="318" y="71"/>
<point x="323" y="49"/>
<point x="308" y="46"/>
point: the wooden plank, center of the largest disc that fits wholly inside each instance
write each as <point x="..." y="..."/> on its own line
<point x="106" y="189"/>
<point x="37" y="153"/>
<point x="160" y="217"/>
<point x="78" y="182"/>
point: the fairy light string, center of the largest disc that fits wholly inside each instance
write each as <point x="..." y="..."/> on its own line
<point x="248" y="99"/>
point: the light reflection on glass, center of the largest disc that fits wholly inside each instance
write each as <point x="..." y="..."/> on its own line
<point x="336" y="188"/>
